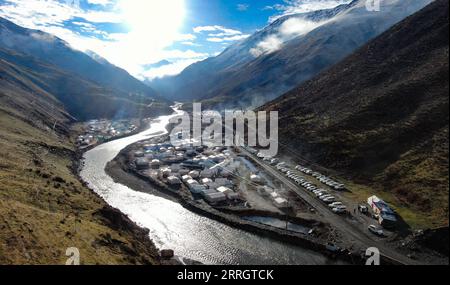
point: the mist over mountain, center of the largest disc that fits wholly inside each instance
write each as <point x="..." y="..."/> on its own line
<point x="286" y="53"/>
<point x="381" y="115"/>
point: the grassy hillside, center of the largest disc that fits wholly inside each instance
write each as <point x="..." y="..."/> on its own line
<point x="381" y="116"/>
<point x="44" y="209"/>
<point x="83" y="99"/>
<point x="55" y="51"/>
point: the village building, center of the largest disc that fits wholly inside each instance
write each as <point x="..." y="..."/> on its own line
<point x="256" y="179"/>
<point x="215" y="197"/>
<point x="155" y="163"/>
<point x="142" y="163"/>
<point x="172" y="180"/>
<point x="264" y="191"/>
<point x="281" y="203"/>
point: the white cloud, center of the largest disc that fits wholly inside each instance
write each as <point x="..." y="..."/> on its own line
<point x="220" y="34"/>
<point x="227" y="39"/>
<point x="302" y="6"/>
<point x="291" y="28"/>
<point x="169" y="69"/>
<point x="268" y="45"/>
<point x="222" y="30"/>
<point x="101" y="2"/>
<point x="192" y="44"/>
<point x="297" y="27"/>
<point x="294" y="26"/>
<point x="242" y="7"/>
<point x="179" y="60"/>
<point x="185" y="37"/>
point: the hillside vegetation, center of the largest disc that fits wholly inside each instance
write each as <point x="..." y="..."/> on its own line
<point x="44" y="209"/>
<point x="381" y="116"/>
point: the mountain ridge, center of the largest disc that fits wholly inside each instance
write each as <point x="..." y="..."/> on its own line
<point x="79" y="96"/>
<point x="380" y="116"/>
<point x="48" y="48"/>
<point x="265" y="77"/>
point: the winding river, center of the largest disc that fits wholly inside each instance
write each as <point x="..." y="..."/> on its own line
<point x="172" y="226"/>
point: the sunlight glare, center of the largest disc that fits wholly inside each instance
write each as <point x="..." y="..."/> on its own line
<point x="161" y="16"/>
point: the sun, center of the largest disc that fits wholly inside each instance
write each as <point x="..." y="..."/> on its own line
<point x="154" y="16"/>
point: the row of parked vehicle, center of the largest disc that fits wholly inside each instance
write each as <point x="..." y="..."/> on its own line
<point x="322" y="178"/>
<point x="322" y="194"/>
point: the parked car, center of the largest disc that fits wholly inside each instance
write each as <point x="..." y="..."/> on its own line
<point x="376" y="231"/>
<point x="329" y="200"/>
<point x="340" y="187"/>
<point x="320" y="193"/>
<point x="335" y="204"/>
<point x="332" y="247"/>
<point x="363" y="209"/>
<point x="339" y="210"/>
<point x="324" y="196"/>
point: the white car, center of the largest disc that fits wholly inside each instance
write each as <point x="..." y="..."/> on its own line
<point x="335" y="204"/>
<point x="373" y="229"/>
<point x="339" y="210"/>
<point x="329" y="200"/>
<point x="340" y="187"/>
<point x="324" y="196"/>
<point x="321" y="193"/>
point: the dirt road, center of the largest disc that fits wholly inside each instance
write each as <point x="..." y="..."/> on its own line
<point x="351" y="232"/>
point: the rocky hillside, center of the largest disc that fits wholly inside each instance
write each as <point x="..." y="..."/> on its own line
<point x="381" y="115"/>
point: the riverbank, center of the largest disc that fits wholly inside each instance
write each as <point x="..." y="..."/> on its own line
<point x="120" y="170"/>
<point x="46" y="209"/>
<point x="120" y="221"/>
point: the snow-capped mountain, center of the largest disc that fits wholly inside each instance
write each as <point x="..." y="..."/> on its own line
<point x="286" y="53"/>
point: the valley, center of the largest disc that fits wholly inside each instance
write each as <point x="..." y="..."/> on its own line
<point x="89" y="159"/>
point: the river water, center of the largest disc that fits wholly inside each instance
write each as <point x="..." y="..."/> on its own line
<point x="171" y="226"/>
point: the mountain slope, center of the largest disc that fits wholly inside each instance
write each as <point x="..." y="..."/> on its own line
<point x="323" y="38"/>
<point x="50" y="49"/>
<point x="83" y="99"/>
<point x="202" y="76"/>
<point x="381" y="115"/>
<point x="44" y="208"/>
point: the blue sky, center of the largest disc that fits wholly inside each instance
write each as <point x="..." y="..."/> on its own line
<point x="136" y="34"/>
